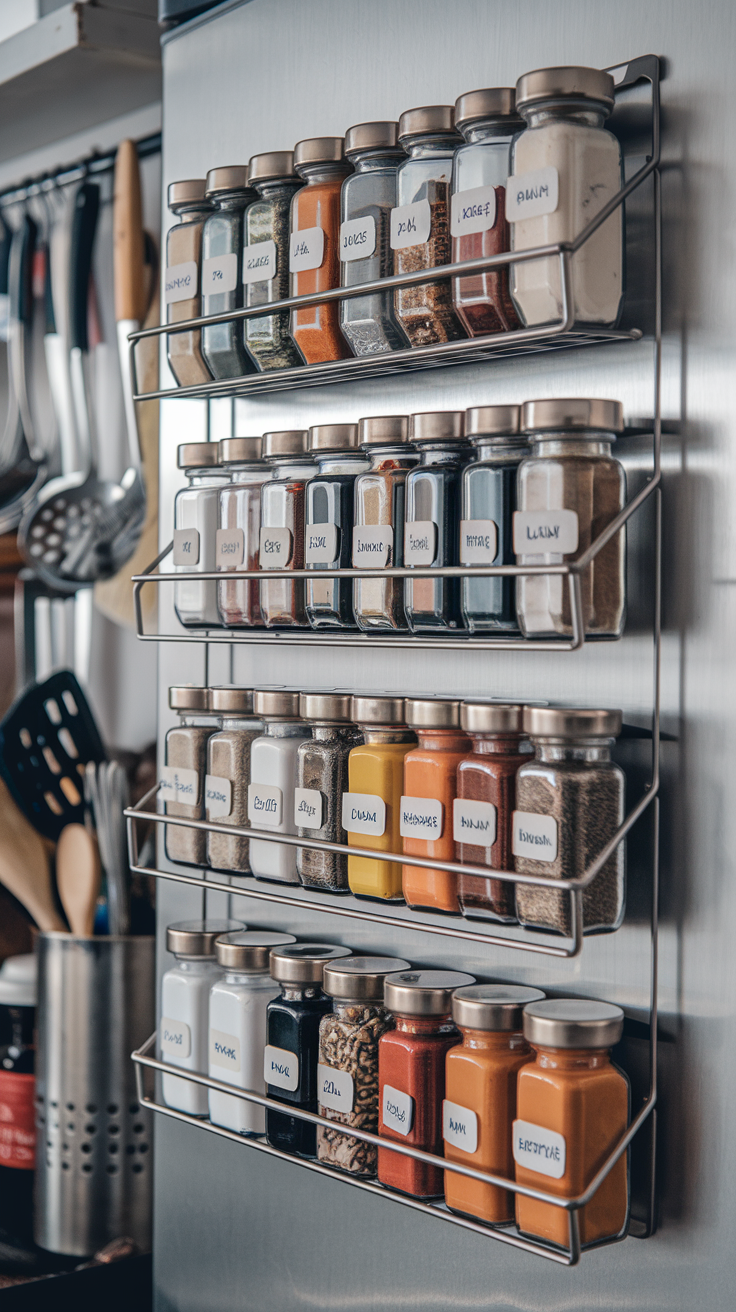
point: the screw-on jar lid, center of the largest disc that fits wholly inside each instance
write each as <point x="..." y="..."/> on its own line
<point x="383" y="430"/>
<point x="249" y="949"/>
<point x="574" y="81"/>
<point x="492" y="421"/>
<point x="196" y="938"/>
<point x="303" y="963"/>
<point x="271" y="166"/>
<point x="491" y="717"/>
<point x="276" y="704"/>
<point x="319" y="150"/>
<point x="231" y="701"/>
<point x="239" y="450"/>
<point x="197" y="455"/>
<point x="566" y="722"/>
<point x="491" y="103"/>
<point x="377" y="710"/>
<point x="333" y="706"/>
<point x="333" y="437"/>
<point x="360" y="979"/>
<point x="431" y="713"/>
<point x="437" y="426"/>
<point x="371" y="136"/>
<point x="573" y="414"/>
<point x="426" y="120"/>
<point x="234" y="177"/>
<point x="188" y="698"/>
<point x="493" y="1006"/>
<point x="186" y="193"/>
<point x="423" y="992"/>
<point x="573" y="1023"/>
<point x="287" y="442"/>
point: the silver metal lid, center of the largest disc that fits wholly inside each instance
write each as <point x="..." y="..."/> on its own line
<point x="231" y="701"/>
<point x="276" y="704"/>
<point x="571" y="81"/>
<point x="493" y="1006"/>
<point x="377" y="710"/>
<point x="383" y="430"/>
<point x="371" y="136"/>
<point x="249" y="950"/>
<point x="240" y="450"/>
<point x="491" y="717"/>
<point x="490" y="103"/>
<point x="333" y="437"/>
<point x="196" y="938"/>
<point x="234" y="177"/>
<point x="489" y="421"/>
<point x="360" y="979"/>
<point x="286" y="442"/>
<point x="567" y="722"/>
<point x="333" y="706"/>
<point x="303" y="963"/>
<point x="573" y="1023"/>
<point x="197" y="455"/>
<point x="188" y="698"/>
<point x="186" y="193"/>
<point x="431" y="713"/>
<point x="319" y="150"/>
<point x="271" y="166"/>
<point x="423" y="992"/>
<point x="571" y="414"/>
<point x="437" y="426"/>
<point x="426" y="120"/>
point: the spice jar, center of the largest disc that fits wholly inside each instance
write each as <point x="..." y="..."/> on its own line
<point x="181" y="280"/>
<point x="488" y="503"/>
<point x="368" y="196"/>
<point x="570" y="802"/>
<point x="480" y="1095"/>
<point x="283" y="508"/>
<point x="569" y="490"/>
<point x="228" y="775"/>
<point x="488" y="122"/>
<point x="572" y="1108"/>
<point x="430" y="772"/>
<point x="420" y="224"/>
<point x="182" y="782"/>
<point x="322" y="779"/>
<point x="185" y="1001"/>
<point x="273" y="759"/>
<point x="238" y="536"/>
<point x="222" y="270"/>
<point x="266" y="259"/>
<point x="195" y="530"/>
<point x="484" y="809"/>
<point x="371" y="810"/>
<point x="237" y="1022"/>
<point x="18" y="994"/>
<point x="566" y="166"/>
<point x="431" y="532"/>
<point x="378" y="535"/>
<point x="347" y="1074"/>
<point x="329" y="530"/>
<point x="314" y="251"/>
<point x="292" y="1047"/>
<point x="411" y="1074"/>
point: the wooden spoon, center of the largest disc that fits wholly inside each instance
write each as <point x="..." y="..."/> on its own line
<point x="24" y="864"/>
<point x="78" y="877"/>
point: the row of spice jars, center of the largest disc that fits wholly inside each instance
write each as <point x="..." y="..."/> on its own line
<point x="398" y="198"/>
<point x="493" y="1077"/>
<point x="495" y="485"/>
<point x="495" y="787"/>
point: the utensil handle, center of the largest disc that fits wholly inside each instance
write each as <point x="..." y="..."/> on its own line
<point x="20" y="271"/>
<point x="84" y="226"/>
<point x="128" y="242"/>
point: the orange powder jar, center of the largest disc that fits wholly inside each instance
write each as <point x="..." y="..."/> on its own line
<point x="572" y="1109"/>
<point x="314" y="250"/>
<point x="430" y="772"/>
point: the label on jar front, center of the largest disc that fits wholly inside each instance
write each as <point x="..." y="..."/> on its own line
<point x="539" y="1149"/>
<point x="308" y="808"/>
<point x="397" y="1110"/>
<point x="459" y="1126"/>
<point x="281" y="1068"/>
<point x="474" y="822"/>
<point x="410" y="225"/>
<point x="357" y="238"/>
<point x="17" y="1120"/>
<point x="224" y="1050"/>
<point x="229" y="548"/>
<point x="320" y="544"/>
<point x="265" y="805"/>
<point x="534" y="836"/>
<point x="259" y="262"/>
<point x="473" y="210"/>
<point x="176" y="1037"/>
<point x="186" y="547"/>
<point x="364" y="813"/>
<point x="420" y="542"/>
<point x="275" y="548"/>
<point x="219" y="274"/>
<point x="306" y="250"/>
<point x="421" y="817"/>
<point x="180" y="282"/>
<point x="541" y="532"/>
<point x="334" y="1089"/>
<point x="478" y="541"/>
<point x="218" y="796"/>
<point x="529" y="195"/>
<point x="177" y="784"/>
<point x="372" y="545"/>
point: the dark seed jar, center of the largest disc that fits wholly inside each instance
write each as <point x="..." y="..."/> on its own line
<point x="432" y="514"/>
<point x="266" y="259"/>
<point x="329" y="530"/>
<point x="488" y="502"/>
<point x="222" y="271"/>
<point x="322" y="778"/>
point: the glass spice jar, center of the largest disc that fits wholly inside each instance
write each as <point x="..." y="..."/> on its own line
<point x="378" y="534"/>
<point x="266" y="259"/>
<point x="222" y="270"/>
<point x="238" y="536"/>
<point x="368" y="196"/>
<point x="196" y="509"/>
<point x="431" y="531"/>
<point x="488" y="503"/>
<point x="484" y="809"/>
<point x="283" y="510"/>
<point x="411" y="1074"/>
<point x="430" y="772"/>
<point x="420" y="224"/>
<point x="182" y="282"/>
<point x="573" y="1107"/>
<point x="488" y="122"/>
<point x="329" y="529"/>
<point x="322" y="779"/>
<point x="570" y="488"/>
<point x="314" y="251"/>
<point x="570" y="802"/>
<point x="292" y="1041"/>
<point x="18" y="995"/>
<point x="371" y="810"/>
<point x="273" y="758"/>
<point x="347" y="1074"/>
<point x="228" y="775"/>
<point x="182" y="784"/>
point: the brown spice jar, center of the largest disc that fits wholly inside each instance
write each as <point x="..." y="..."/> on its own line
<point x="184" y="246"/>
<point x="483" y="300"/>
<point x="426" y="311"/>
<point x="488" y="774"/>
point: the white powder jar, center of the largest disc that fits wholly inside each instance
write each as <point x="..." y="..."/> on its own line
<point x="273" y="778"/>
<point x="196" y="509"/>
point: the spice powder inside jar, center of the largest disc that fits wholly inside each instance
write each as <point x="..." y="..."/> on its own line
<point x="228" y="776"/>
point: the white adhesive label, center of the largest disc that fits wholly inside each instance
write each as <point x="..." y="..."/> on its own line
<point x="478" y="541"/>
<point x="179" y="785"/>
<point x="275" y="548"/>
<point x="421" y="817"/>
<point x="218" y="796"/>
<point x="534" y="836"/>
<point x="357" y="238"/>
<point x="545" y="532"/>
<point x="474" y="822"/>
<point x="459" y="1126"/>
<point x="372" y="546"/>
<point x="306" y="250"/>
<point x="259" y="262"/>
<point x="540" y="1150"/>
<point x="420" y="542"/>
<point x="320" y="544"/>
<point x="186" y="547"/>
<point x="334" y="1089"/>
<point x="176" y="1037"/>
<point x="397" y="1110"/>
<point x="281" y="1068"/>
<point x="265" y="805"/>
<point x="219" y="274"/>
<point x="308" y="808"/>
<point x="410" y="225"/>
<point x="180" y="282"/>
<point x="224" y="1050"/>
<point x="229" y="548"/>
<point x="363" y="813"/>
<point x="529" y="195"/>
<point x="473" y="210"/>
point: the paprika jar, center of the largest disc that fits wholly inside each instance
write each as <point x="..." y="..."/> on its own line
<point x="228" y="776"/>
<point x="222" y="270"/>
<point x="328" y="541"/>
<point x="266" y="259"/>
<point x="431" y="531"/>
<point x="314" y="251"/>
<point x="371" y="810"/>
<point x="182" y="280"/>
<point x="488" y="503"/>
<point x="182" y="784"/>
<point x="283" y="510"/>
<point x="239" y="529"/>
<point x="322" y="779"/>
<point x="430" y="772"/>
<point x="378" y="533"/>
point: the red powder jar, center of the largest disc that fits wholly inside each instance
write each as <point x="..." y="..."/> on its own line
<point x="314" y="248"/>
<point x="411" y="1075"/>
<point x="484" y="807"/>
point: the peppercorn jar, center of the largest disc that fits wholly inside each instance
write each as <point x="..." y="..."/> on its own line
<point x="484" y="806"/>
<point x="266" y="259"/>
<point x="378" y="533"/>
<point x="570" y="803"/>
<point x="182" y="281"/>
<point x="228" y="775"/>
<point x="430" y="772"/>
<point x="573" y="1106"/>
<point x="237" y="540"/>
<point x="371" y="810"/>
<point x="322" y="779"/>
<point x="222" y="270"/>
<point x="291" y="1055"/>
<point x="328" y="541"/>
<point x="183" y="776"/>
<point x="566" y="166"/>
<point x="347" y="1073"/>
<point x="368" y="196"/>
<point x="283" y="510"/>
<point x="420" y="224"/>
<point x="487" y="507"/>
<point x="196" y="509"/>
<point x="18" y="996"/>
<point x="431" y="530"/>
<point x="570" y="488"/>
<point x="273" y="758"/>
<point x="314" y="251"/>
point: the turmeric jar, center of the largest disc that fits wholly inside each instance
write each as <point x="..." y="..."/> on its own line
<point x="314" y="249"/>
<point x="371" y="810"/>
<point x="430" y="772"/>
<point x="572" y="1108"/>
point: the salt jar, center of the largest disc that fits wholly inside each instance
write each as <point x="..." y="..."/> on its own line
<point x="238" y="1005"/>
<point x="430" y="771"/>
<point x="222" y="270"/>
<point x="182" y="280"/>
<point x="569" y="805"/>
<point x="328" y="540"/>
<point x="322" y="779"/>
<point x="196" y="509"/>
<point x="183" y="781"/>
<point x="565" y="167"/>
<point x="371" y="810"/>
<point x="570" y="488"/>
<point x="378" y="533"/>
<point x="185" y="1000"/>
<point x="283" y="511"/>
<point x="488" y="503"/>
<point x="431" y="529"/>
<point x="266" y="259"/>
<point x="239" y="533"/>
<point x="228" y="775"/>
<point x="273" y="775"/>
<point x="314" y="251"/>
